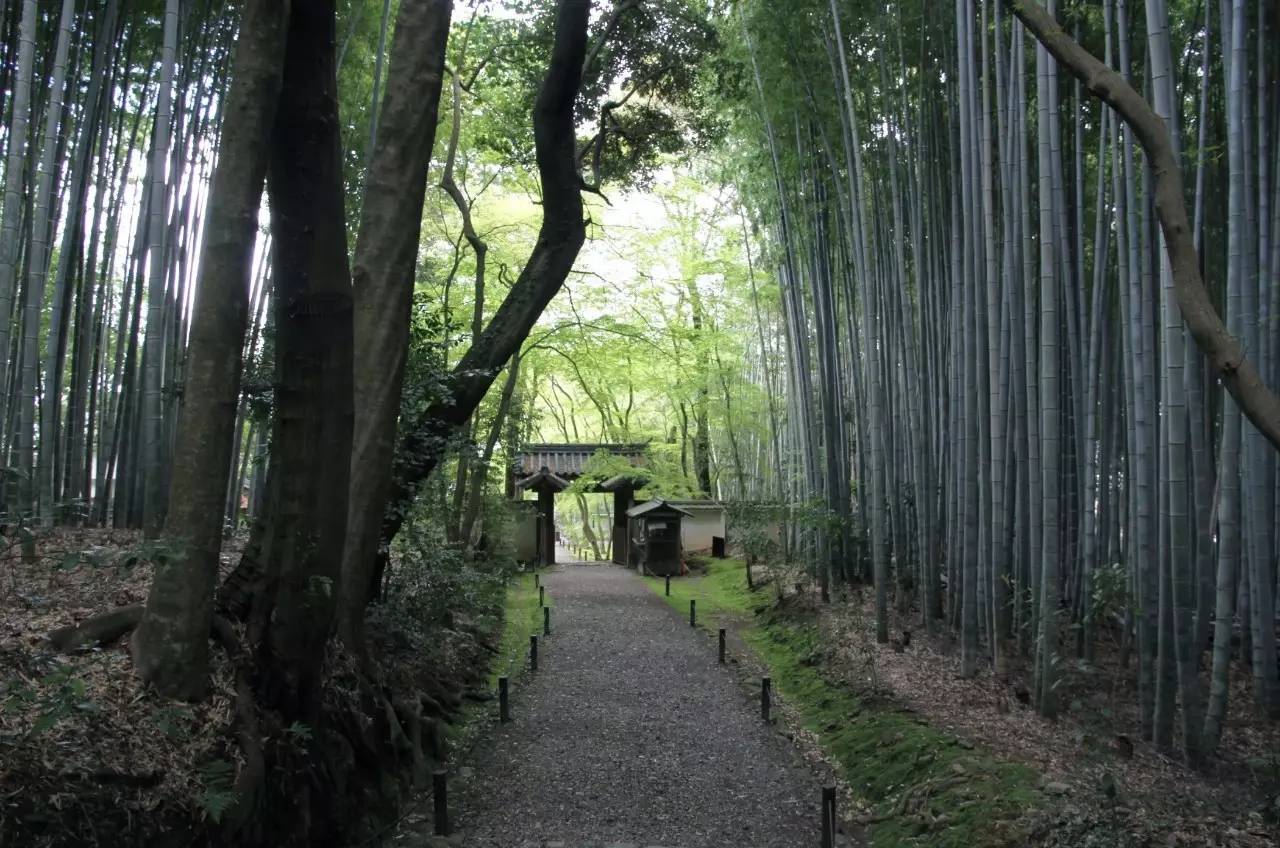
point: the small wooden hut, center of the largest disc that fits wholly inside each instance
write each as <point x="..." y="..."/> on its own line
<point x="654" y="531"/>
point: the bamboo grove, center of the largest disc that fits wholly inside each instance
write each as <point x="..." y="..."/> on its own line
<point x="952" y="325"/>
<point x="985" y="365"/>
<point x="108" y="152"/>
<point x="208" y="259"/>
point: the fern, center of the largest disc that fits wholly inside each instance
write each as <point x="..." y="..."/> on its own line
<point x="217" y="796"/>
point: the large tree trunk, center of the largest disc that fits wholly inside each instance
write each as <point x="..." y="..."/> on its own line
<point x="292" y="613"/>
<point x="171" y="645"/>
<point x="559" y="239"/>
<point x="383" y="277"/>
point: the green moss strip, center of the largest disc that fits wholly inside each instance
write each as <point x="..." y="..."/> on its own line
<point x="521" y="618"/>
<point x="924" y="787"/>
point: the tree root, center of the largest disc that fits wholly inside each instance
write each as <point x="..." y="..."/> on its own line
<point x="252" y="778"/>
<point x="915" y="795"/>
<point x="410" y="716"/>
<point x="101" y="629"/>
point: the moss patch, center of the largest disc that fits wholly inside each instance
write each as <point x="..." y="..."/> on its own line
<point x="521" y="618"/>
<point x="924" y="787"/>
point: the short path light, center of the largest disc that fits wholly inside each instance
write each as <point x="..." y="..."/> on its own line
<point x="504" y="702"/>
<point x="440" y="794"/>
<point x="765" y="686"/>
<point x="828" y="817"/>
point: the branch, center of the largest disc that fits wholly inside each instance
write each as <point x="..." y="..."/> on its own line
<point x="1224" y="352"/>
<point x="560" y="237"/>
<point x="619" y="9"/>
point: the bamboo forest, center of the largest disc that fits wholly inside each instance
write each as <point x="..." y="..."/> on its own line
<point x="587" y="423"/>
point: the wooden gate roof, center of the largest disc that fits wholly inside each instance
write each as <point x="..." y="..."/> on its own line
<point x="567" y="461"/>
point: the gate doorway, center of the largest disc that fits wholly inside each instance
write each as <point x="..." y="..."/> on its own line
<point x="548" y="469"/>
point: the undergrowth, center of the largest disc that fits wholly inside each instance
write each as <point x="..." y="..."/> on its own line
<point x="923" y="786"/>
<point x="521" y="618"/>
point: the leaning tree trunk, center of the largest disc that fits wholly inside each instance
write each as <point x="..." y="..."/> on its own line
<point x="559" y="239"/>
<point x="170" y="646"/>
<point x="383" y="275"/>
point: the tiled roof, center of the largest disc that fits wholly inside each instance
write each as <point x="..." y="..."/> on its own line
<point x="568" y="460"/>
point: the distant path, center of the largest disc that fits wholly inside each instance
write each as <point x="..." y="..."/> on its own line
<point x="632" y="734"/>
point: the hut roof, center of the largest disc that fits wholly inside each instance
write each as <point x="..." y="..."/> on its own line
<point x="543" y="477"/>
<point x="658" y="506"/>
<point x="699" y="504"/>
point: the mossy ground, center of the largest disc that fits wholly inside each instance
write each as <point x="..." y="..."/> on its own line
<point x="521" y="617"/>
<point x="923" y="786"/>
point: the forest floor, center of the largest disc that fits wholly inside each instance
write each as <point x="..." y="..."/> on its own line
<point x="1115" y="789"/>
<point x="89" y="757"/>
<point x="78" y="736"/>
<point x="1078" y="781"/>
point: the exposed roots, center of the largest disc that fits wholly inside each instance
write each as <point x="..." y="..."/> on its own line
<point x="252" y="778"/>
<point x="914" y="798"/>
<point x="101" y="629"/>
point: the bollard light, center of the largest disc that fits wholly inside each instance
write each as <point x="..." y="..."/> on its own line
<point x="533" y="653"/>
<point x="765" y="686"/>
<point x="722" y="645"/>
<point x="504" y="701"/>
<point x="440" y="794"/>
<point x="828" y="817"/>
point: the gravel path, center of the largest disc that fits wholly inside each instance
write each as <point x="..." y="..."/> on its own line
<point x="631" y="733"/>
